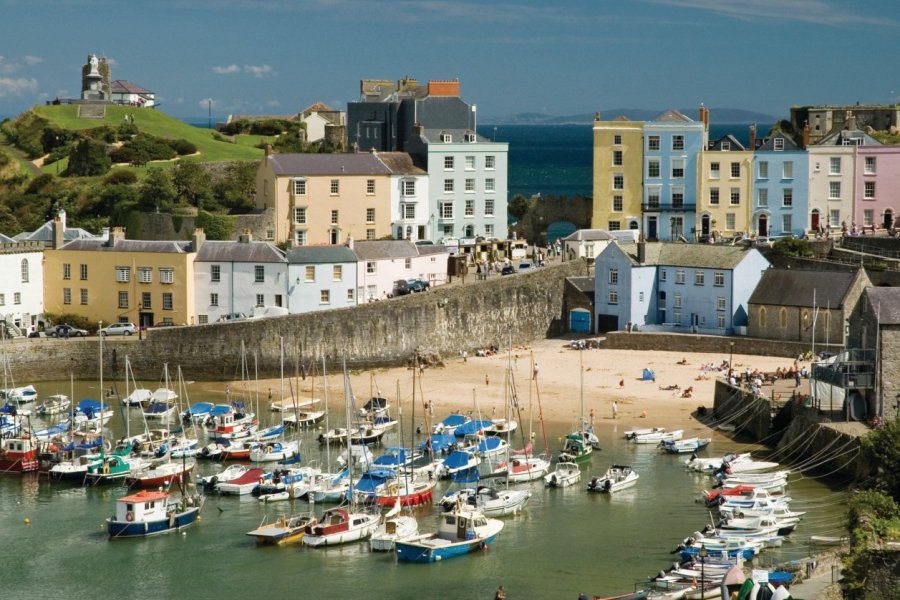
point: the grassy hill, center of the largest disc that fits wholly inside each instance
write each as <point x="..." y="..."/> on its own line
<point x="155" y="123"/>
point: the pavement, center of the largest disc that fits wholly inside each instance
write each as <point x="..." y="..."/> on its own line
<point x="822" y="583"/>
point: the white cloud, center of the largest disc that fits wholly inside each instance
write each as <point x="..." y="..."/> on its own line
<point x="819" y="12"/>
<point x="273" y="104"/>
<point x="33" y="60"/>
<point x="227" y="70"/>
<point x="209" y="104"/>
<point x="258" y="71"/>
<point x="17" y="87"/>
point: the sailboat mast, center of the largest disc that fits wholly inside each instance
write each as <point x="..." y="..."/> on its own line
<point x="281" y="386"/>
<point x="581" y="383"/>
<point x="327" y="445"/>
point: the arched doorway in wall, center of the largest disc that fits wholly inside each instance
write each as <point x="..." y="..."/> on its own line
<point x="469" y="231"/>
<point x="888" y="218"/>
<point x="633" y="224"/>
<point x="763" y="229"/>
<point x="814" y="219"/>
<point x="704" y="225"/>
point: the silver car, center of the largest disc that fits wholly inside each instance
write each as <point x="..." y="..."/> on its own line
<point x="119" y="329"/>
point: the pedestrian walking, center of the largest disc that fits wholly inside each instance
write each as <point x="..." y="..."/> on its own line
<point x="487" y="381"/>
<point x="535" y="371"/>
<point x="797" y="378"/>
<point x="501" y="594"/>
<point x="592" y="418"/>
<point x="615" y="409"/>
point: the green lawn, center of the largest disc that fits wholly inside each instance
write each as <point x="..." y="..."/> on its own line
<point x="155" y="123"/>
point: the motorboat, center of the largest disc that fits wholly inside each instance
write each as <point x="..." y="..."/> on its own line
<point x="211" y="482"/>
<point x="19" y="395"/>
<point x="159" y="409"/>
<point x="242" y="484"/>
<point x="284" y="530"/>
<point x="684" y="446"/>
<point x="275" y="451"/>
<point x="489" y="500"/>
<point x="501" y="427"/>
<point x="564" y="475"/>
<point x="340" y="526"/>
<point x="151" y="512"/>
<point x="616" y="479"/>
<point x="138" y="397"/>
<point x="463" y="530"/>
<point x="657" y="437"/>
<point x="450" y="423"/>
<point x="54" y="405"/>
<point x="523" y="468"/>
<point x="162" y="474"/>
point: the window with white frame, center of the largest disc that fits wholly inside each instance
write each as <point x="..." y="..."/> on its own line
<point x="787" y="169"/>
<point x="489" y="207"/>
<point x="613" y="277"/>
<point x="714" y="196"/>
<point x="409" y="187"/>
<point x="470" y="207"/>
<point x="489" y="185"/>
<point x="834" y="190"/>
<point x="370" y="235"/>
<point x="489" y="162"/>
<point x="350" y="295"/>
<point x="653" y="197"/>
<point x="653" y="168"/>
<point x="834" y="165"/>
<point x="325" y="297"/>
<point x="260" y="300"/>
<point x="778" y="144"/>
<point x="617" y="203"/>
<point x="202" y="319"/>
<point x="67" y="297"/>
<point x="720" y="303"/>
<point x="84" y="296"/>
<point x="145" y="274"/>
<point x="735" y="196"/>
<point x="470" y="163"/>
<point x="67" y="271"/>
<point x="335" y="217"/>
<point x="617" y="158"/>
<point x="718" y="278"/>
<point x="714" y="171"/>
<point x="869" y="165"/>
<point x="370" y="215"/>
<point x="488" y="230"/>
<point x="470" y="186"/>
<point x="786" y="224"/>
<point x="677" y="142"/>
<point x="762" y="196"/>
<point x="729" y="221"/>
<point x="337" y="273"/>
<point x="676" y="301"/>
<point x="676" y="317"/>
<point x="869" y="190"/>
<point x="300" y="215"/>
<point x="868" y="217"/>
<point x="448" y="163"/>
<point x="653" y="142"/>
<point x="677" y="168"/>
<point x="617" y="139"/>
<point x="123" y="274"/>
<point x="409" y="211"/>
<point x="618" y="181"/>
<point x="370" y="267"/>
<point x="763" y="169"/>
<point x="123" y="299"/>
<point x="787" y="197"/>
<point x="679" y="276"/>
<point x="370" y="186"/>
<point x="300" y="237"/>
<point x="299" y="187"/>
<point x="678" y="197"/>
<point x="213" y="299"/>
<point x="834" y="216"/>
<point x="83" y="272"/>
<point x="699" y="277"/>
<point x="259" y="273"/>
<point x="448" y="186"/>
<point x="446" y="210"/>
<point x="310" y="273"/>
<point x="613" y="297"/>
<point x="735" y="170"/>
<point x="335" y="187"/>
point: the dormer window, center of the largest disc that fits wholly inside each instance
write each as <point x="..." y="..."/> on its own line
<point x="469" y="137"/>
<point x="726" y="146"/>
<point x="446" y="137"/>
<point x="778" y="144"/>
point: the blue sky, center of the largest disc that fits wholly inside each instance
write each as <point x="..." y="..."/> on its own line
<point x="558" y="57"/>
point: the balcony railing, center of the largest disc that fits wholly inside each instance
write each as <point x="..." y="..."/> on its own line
<point x="669" y="206"/>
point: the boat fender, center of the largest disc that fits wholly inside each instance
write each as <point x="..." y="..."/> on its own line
<point x="129" y="516"/>
<point x="106" y="469"/>
<point x="262" y="479"/>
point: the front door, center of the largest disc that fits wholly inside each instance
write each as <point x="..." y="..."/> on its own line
<point x="763" y="225"/>
<point x="145" y="319"/>
<point x="704" y="225"/>
<point x="888" y="220"/>
<point x="814" y="221"/>
<point x="652" y="234"/>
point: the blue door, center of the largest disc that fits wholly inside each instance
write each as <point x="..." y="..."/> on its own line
<point x="579" y="321"/>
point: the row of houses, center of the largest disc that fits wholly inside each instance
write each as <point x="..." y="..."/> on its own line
<point x="665" y="178"/>
<point x="149" y="282"/>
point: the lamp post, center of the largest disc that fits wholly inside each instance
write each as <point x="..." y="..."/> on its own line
<point x="731" y="357"/>
<point x="702" y="554"/>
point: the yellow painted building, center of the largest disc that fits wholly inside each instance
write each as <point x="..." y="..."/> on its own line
<point x="724" y="189"/>
<point x="117" y="280"/>
<point x="618" y="174"/>
<point x="326" y="198"/>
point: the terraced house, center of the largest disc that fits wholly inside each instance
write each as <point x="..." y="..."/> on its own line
<point x="781" y="187"/>
<point x="618" y="174"/>
<point x="725" y="189"/>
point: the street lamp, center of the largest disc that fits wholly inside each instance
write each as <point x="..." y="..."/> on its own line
<point x="731" y="358"/>
<point x="702" y="554"/>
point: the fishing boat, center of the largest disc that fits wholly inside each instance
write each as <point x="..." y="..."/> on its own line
<point x="111" y="468"/>
<point x="54" y="405"/>
<point x="284" y="530"/>
<point x="462" y="531"/>
<point x="242" y="484"/>
<point x="684" y="446"/>
<point x="152" y="512"/>
<point x="234" y="425"/>
<point x="396" y="527"/>
<point x="18" y="454"/>
<point x="616" y="479"/>
<point x="575" y="450"/>
<point x="19" y="395"/>
<point x="162" y="474"/>
<point x="340" y="526"/>
<point x="375" y="407"/>
<point x="564" y="475"/>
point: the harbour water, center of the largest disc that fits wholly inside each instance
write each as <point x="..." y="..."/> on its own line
<point x="566" y="541"/>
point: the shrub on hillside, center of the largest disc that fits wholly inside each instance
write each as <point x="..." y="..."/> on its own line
<point x="37" y="185"/>
<point x="88" y="158"/>
<point x="127" y="130"/>
<point x="183" y="147"/>
<point x="216" y="227"/>
<point x="120" y="177"/>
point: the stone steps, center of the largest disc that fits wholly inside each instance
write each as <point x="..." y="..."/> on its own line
<point x="92" y="111"/>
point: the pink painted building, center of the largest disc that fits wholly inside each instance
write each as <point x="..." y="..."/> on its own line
<point x="877" y="186"/>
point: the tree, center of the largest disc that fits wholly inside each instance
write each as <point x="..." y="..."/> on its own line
<point x="9" y="224"/>
<point x="193" y="184"/>
<point x="519" y="206"/>
<point x="157" y="191"/>
<point x="881" y="450"/>
<point x="234" y="190"/>
<point x="88" y="158"/>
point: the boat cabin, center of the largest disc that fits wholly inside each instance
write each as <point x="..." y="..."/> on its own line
<point x="461" y="525"/>
<point x="143" y="506"/>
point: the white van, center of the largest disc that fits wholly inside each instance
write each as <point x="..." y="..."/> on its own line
<point x="260" y="312"/>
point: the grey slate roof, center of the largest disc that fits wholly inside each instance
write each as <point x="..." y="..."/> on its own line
<point x="321" y="255"/>
<point x="351" y="163"/>
<point x="433" y="136"/>
<point x="837" y="137"/>
<point x="432" y="249"/>
<point x="175" y="247"/>
<point x="122" y="86"/>
<point x="582" y="284"/>
<point x="381" y="249"/>
<point x="674" y="116"/>
<point x="588" y="235"/>
<point x="44" y="233"/>
<point x="700" y="256"/>
<point x="231" y="251"/>
<point x="885" y="302"/>
<point x="733" y="141"/>
<point x="792" y="287"/>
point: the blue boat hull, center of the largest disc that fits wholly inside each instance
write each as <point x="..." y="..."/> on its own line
<point x="126" y="529"/>
<point x="693" y="552"/>
<point x="419" y="553"/>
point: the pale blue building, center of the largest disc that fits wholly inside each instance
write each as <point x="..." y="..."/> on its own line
<point x="780" y="188"/>
<point x="321" y="278"/>
<point x="672" y="145"/>
<point x="675" y="287"/>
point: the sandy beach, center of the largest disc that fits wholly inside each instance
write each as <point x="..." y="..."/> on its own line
<point x="462" y="383"/>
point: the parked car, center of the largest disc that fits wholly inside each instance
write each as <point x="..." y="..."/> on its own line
<point x="119" y="329"/>
<point x="235" y="316"/>
<point x="418" y="285"/>
<point x="60" y="331"/>
<point x="401" y="287"/>
<point x="525" y="266"/>
<point x="507" y="270"/>
<point x="37" y="334"/>
<point x="762" y="242"/>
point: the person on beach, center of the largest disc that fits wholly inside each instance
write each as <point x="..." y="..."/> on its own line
<point x="615" y="409"/>
<point x="535" y="371"/>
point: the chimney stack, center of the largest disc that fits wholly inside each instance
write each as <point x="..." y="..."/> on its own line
<point x="116" y="234"/>
<point x="350" y="242"/>
<point x="806" y="134"/>
<point x="59" y="230"/>
<point x="641" y="250"/>
<point x="198" y="239"/>
<point x="245" y="237"/>
<point x="704" y="116"/>
<point x="752" y="137"/>
<point x="597" y="116"/>
<point x="268" y="149"/>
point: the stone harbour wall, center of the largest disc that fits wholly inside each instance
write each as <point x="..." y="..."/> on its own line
<point x="689" y="342"/>
<point x="442" y="322"/>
